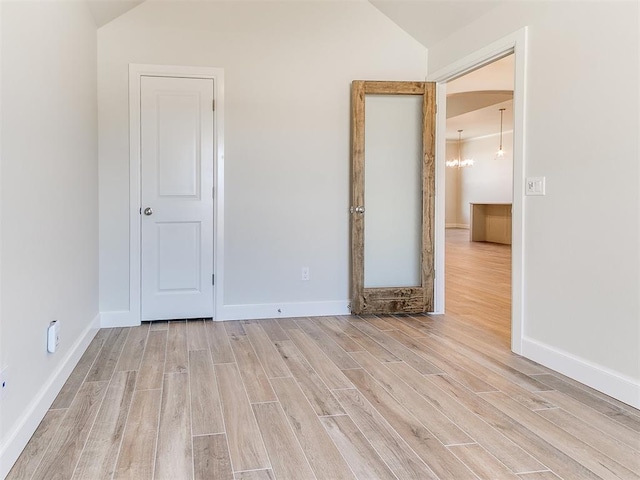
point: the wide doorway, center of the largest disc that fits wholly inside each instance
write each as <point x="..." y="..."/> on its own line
<point x="479" y="197"/>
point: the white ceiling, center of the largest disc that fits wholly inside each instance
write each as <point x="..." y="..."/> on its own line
<point x="104" y="11"/>
<point x="429" y="21"/>
<point x="497" y="76"/>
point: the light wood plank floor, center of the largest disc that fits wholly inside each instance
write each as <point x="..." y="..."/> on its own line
<point x="397" y="397"/>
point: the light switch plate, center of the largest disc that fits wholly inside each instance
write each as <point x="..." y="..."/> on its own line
<point x="535" y="186"/>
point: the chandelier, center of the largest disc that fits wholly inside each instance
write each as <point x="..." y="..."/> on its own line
<point x="458" y="162"/>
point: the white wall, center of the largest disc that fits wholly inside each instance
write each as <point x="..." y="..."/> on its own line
<point x="489" y="180"/>
<point x="288" y="68"/>
<point x="49" y="204"/>
<point x="582" y="258"/>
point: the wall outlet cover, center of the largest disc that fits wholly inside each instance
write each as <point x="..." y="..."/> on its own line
<point x="535" y="186"/>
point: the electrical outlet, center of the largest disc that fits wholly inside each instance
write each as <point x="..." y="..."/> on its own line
<point x="53" y="336"/>
<point x="305" y="275"/>
<point x="4" y="383"/>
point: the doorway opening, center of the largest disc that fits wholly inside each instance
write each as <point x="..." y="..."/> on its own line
<point x="479" y="197"/>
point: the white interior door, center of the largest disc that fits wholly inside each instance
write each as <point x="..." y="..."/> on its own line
<point x="177" y="197"/>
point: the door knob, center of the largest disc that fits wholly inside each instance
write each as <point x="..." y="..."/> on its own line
<point x="148" y="211"/>
<point x="358" y="209"/>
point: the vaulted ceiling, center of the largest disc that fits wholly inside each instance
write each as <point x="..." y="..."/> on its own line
<point x="428" y="21"/>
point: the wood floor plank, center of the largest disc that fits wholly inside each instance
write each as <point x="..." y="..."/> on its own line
<point x="287" y="459"/>
<point x="395" y="347"/>
<point x="211" y="458"/>
<point x="481" y="359"/>
<point x="539" y="476"/>
<point x="437" y="423"/>
<point x="267" y="353"/>
<point x="378" y="322"/>
<point x="246" y="447"/>
<point x="331" y="349"/>
<point x="65" y="449"/>
<point x="158" y="325"/>
<point x="322" y="454"/>
<point x="592" y="392"/>
<point x="131" y="355"/>
<point x="288" y="324"/>
<point x="344" y="341"/>
<point x="74" y="382"/>
<point x="413" y="329"/>
<point x="327" y="370"/>
<point x="196" y="335"/>
<point x="395" y="452"/>
<point x="105" y="364"/>
<point x="596" y="400"/>
<point x="529" y="399"/>
<point x="137" y="454"/>
<point x="219" y="343"/>
<point x="443" y="463"/>
<point x="512" y="455"/>
<point x="31" y="456"/>
<point x="443" y="362"/>
<point x="253" y="375"/>
<point x="474" y="338"/>
<point x="265" y="474"/>
<point x="360" y="455"/>
<point x="550" y="456"/>
<point x="482" y="463"/>
<point x="316" y="391"/>
<point x="152" y="366"/>
<point x="206" y="410"/>
<point x="610" y="446"/>
<point x="478" y="282"/>
<point x="174" y="454"/>
<point x="339" y="324"/>
<point x="596" y="419"/>
<point x="273" y="329"/>
<point x="582" y="452"/>
<point x="235" y="327"/>
<point x="98" y="459"/>
<point x="177" y="360"/>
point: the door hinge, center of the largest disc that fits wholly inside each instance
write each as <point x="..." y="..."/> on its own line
<point x="213" y="105"/>
<point x="213" y="279"/>
<point x="436" y="108"/>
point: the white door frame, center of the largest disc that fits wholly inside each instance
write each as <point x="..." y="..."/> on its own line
<point x="514" y="43"/>
<point x="136" y="72"/>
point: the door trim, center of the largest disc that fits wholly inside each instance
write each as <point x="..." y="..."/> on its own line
<point x="515" y="43"/>
<point x="136" y="72"/>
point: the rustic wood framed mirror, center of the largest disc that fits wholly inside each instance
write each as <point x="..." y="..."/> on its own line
<point x="393" y="194"/>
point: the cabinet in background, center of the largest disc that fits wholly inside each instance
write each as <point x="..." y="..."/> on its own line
<point x="491" y="222"/>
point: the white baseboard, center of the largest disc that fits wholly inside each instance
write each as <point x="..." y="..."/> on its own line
<point x="457" y="225"/>
<point x="122" y="318"/>
<point x="283" y="310"/>
<point x="607" y="381"/>
<point x="35" y="411"/>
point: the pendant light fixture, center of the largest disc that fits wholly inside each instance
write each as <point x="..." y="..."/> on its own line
<point x="500" y="152"/>
<point x="459" y="162"/>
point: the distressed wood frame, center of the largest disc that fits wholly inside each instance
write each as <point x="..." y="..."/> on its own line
<point x="392" y="299"/>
